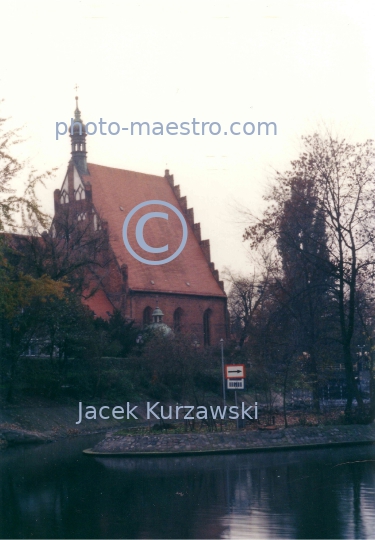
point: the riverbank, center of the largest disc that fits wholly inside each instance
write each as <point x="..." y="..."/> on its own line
<point x="243" y="441"/>
<point x="36" y="425"/>
<point x="40" y="421"/>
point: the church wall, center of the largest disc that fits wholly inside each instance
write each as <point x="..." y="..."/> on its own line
<point x="193" y="308"/>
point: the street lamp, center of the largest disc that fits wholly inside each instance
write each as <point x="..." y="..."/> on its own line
<point x="222" y="369"/>
<point x="360" y="355"/>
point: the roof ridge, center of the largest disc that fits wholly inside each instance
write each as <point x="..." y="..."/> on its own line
<point x="124" y="170"/>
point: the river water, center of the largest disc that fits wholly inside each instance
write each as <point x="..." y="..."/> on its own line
<point x="54" y="491"/>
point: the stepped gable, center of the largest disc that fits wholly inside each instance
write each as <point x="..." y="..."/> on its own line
<point x="115" y="192"/>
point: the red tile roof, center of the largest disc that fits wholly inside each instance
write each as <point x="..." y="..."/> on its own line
<point x="115" y="192"/>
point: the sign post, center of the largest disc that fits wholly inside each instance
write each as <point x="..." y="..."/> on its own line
<point x="222" y="369"/>
<point x="235" y="400"/>
<point x="235" y="376"/>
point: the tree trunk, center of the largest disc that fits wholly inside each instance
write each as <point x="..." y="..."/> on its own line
<point x="315" y="381"/>
<point x="284" y="410"/>
<point x="12" y="378"/>
<point x="372" y="386"/>
<point x="284" y="398"/>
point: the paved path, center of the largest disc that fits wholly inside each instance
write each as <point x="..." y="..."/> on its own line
<point x="243" y="441"/>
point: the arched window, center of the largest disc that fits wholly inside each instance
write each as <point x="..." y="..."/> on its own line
<point x="177" y="320"/>
<point x="64" y="197"/>
<point x="147" y="316"/>
<point x="79" y="193"/>
<point x="207" y="327"/>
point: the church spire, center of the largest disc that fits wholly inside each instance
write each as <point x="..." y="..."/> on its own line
<point x="78" y="141"/>
<point x="77" y="112"/>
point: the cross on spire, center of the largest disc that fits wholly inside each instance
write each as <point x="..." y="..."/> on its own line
<point x="77" y="110"/>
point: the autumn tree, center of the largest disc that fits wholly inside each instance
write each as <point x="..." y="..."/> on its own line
<point x="340" y="247"/>
<point x="19" y="207"/>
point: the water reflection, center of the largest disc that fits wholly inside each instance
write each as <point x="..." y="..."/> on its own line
<point x="56" y="492"/>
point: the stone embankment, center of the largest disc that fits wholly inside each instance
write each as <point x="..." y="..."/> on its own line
<point x="243" y="441"/>
<point x="38" y="424"/>
<point x="13" y="436"/>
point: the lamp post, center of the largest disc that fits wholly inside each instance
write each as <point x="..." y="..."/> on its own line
<point x="222" y="369"/>
<point x="360" y="358"/>
<point x="139" y="342"/>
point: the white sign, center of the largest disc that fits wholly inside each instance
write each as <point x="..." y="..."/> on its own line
<point x="235" y="372"/>
<point x="233" y="384"/>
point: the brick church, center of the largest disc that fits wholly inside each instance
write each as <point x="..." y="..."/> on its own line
<point x="187" y="289"/>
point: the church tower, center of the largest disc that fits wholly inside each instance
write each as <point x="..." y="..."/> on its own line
<point x="78" y="142"/>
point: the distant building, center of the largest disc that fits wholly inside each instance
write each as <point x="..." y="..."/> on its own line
<point x="187" y="289"/>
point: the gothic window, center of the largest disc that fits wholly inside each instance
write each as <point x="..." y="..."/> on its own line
<point x="147" y="316"/>
<point x="177" y="320"/>
<point x="207" y="327"/>
<point x="64" y="197"/>
<point x="81" y="216"/>
<point x="79" y="193"/>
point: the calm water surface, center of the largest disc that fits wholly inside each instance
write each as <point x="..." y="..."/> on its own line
<point x="54" y="491"/>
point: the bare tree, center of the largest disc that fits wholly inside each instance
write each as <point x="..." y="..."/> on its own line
<point x="72" y="251"/>
<point x="341" y="177"/>
<point x="17" y="206"/>
<point x="245" y="301"/>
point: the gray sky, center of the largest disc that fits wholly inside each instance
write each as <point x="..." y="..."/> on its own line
<point x="300" y="64"/>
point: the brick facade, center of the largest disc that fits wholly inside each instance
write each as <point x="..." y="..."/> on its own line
<point x="192" y="310"/>
<point x="187" y="289"/>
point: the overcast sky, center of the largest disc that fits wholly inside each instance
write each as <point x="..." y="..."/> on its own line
<point x="299" y="64"/>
